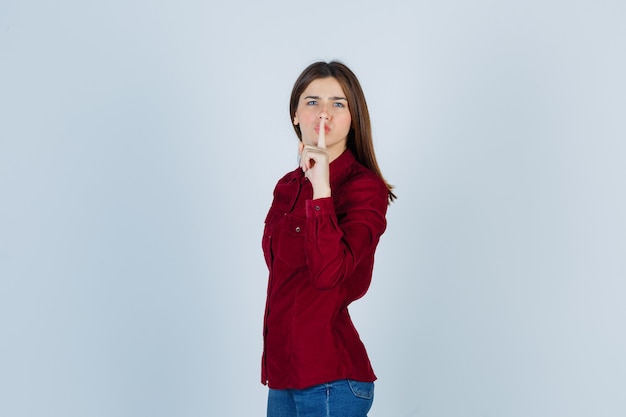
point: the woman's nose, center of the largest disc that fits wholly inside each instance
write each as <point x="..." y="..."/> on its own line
<point x="324" y="115"/>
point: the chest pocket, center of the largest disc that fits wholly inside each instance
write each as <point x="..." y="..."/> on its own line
<point x="288" y="241"/>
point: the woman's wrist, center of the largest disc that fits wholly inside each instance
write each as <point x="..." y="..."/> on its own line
<point x="321" y="193"/>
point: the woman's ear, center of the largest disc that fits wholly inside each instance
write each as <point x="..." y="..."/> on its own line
<point x="295" y="120"/>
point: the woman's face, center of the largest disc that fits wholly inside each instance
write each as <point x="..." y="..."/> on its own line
<point x="324" y="98"/>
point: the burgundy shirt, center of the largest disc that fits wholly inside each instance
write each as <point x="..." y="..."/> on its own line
<point x="320" y="255"/>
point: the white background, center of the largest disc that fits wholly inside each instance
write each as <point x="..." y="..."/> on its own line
<point x="139" y="145"/>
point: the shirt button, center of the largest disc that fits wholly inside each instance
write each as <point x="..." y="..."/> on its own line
<point x="317" y="208"/>
<point x="297" y="229"/>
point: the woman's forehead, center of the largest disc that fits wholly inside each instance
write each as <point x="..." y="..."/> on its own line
<point x="324" y="86"/>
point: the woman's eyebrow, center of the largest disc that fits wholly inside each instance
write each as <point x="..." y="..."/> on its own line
<point x="331" y="98"/>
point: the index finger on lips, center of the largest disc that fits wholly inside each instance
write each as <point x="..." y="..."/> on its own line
<point x="321" y="141"/>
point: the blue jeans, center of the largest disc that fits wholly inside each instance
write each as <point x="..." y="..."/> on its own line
<point x="343" y="398"/>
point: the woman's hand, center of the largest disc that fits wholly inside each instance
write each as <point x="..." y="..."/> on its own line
<point x="314" y="161"/>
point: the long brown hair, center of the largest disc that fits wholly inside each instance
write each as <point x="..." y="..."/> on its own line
<point x="360" y="136"/>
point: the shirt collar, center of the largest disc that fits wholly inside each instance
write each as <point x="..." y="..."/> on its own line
<point x="341" y="164"/>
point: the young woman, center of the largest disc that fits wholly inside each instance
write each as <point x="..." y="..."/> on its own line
<point x="319" y="241"/>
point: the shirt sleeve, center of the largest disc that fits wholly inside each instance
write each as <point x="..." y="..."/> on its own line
<point x="335" y="243"/>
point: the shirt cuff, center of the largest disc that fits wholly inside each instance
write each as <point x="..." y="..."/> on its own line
<point x="319" y="207"/>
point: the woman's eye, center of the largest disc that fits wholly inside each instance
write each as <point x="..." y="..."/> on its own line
<point x="311" y="103"/>
<point x="339" y="104"/>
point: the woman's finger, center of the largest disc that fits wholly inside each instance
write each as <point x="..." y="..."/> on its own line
<point x="310" y="155"/>
<point x="305" y="158"/>
<point x="321" y="141"/>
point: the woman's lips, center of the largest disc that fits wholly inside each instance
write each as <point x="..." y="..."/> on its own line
<point x="326" y="129"/>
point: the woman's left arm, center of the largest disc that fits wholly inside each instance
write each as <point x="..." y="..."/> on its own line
<point x="335" y="243"/>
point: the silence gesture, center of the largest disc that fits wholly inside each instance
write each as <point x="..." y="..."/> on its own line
<point x="314" y="161"/>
